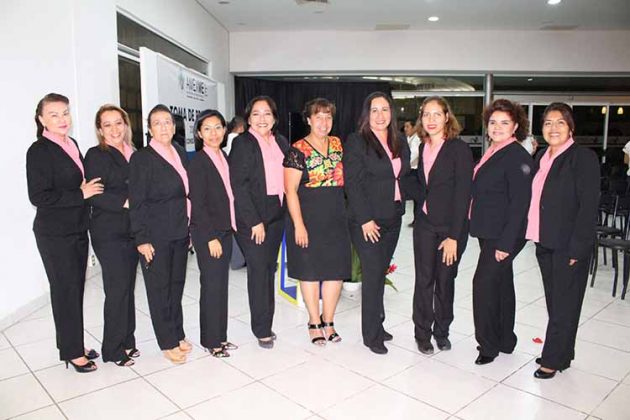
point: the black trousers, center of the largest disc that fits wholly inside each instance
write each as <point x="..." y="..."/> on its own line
<point x="65" y="262"/>
<point x="164" y="280"/>
<point x="494" y="302"/>
<point x="213" y="303"/>
<point x="434" y="290"/>
<point x="375" y="259"/>
<point x="262" y="261"/>
<point x="565" y="286"/>
<point x="119" y="262"/>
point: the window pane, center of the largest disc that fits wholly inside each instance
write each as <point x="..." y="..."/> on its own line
<point x="618" y="136"/>
<point x="135" y="36"/>
<point x="130" y="99"/>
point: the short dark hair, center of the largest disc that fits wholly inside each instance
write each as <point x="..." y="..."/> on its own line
<point x="235" y="122"/>
<point x="392" y="131"/>
<point x="49" y="98"/>
<point x="200" y="119"/>
<point x="514" y="110"/>
<point x="272" y="106"/>
<point x="316" y="105"/>
<point x="564" y="109"/>
<point x="159" y="108"/>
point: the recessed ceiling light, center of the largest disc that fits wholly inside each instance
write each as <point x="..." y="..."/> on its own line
<point x="318" y="12"/>
<point x="530" y="80"/>
<point x="434" y="19"/>
<point x="224" y="2"/>
<point x="553" y="2"/>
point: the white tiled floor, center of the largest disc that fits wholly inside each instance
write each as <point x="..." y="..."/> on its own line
<point x="297" y="380"/>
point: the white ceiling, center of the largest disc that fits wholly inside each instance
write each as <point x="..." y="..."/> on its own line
<point x="275" y="15"/>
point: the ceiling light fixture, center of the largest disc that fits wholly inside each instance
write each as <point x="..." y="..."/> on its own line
<point x="530" y="80"/>
<point x="604" y="110"/>
<point x="620" y="111"/>
<point x="224" y="2"/>
<point x="553" y="2"/>
<point x="433" y="19"/>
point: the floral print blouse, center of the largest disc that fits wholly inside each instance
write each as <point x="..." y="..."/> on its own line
<point x="319" y="170"/>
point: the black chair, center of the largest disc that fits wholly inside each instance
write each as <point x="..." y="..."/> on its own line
<point x="617" y="245"/>
<point x="607" y="215"/>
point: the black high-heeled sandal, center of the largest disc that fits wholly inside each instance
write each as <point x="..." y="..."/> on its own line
<point x="133" y="353"/>
<point x="90" y="366"/>
<point x="334" y="337"/>
<point x="125" y="362"/>
<point x="229" y="346"/>
<point x="219" y="353"/>
<point x="318" y="341"/>
<point x="92" y="354"/>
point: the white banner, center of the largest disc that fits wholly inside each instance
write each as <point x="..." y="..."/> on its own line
<point x="184" y="91"/>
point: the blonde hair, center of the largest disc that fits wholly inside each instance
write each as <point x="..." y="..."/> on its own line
<point x="97" y="124"/>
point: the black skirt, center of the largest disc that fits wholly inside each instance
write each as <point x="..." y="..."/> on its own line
<point x="327" y="256"/>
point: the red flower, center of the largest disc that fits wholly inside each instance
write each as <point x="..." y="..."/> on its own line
<point x="391" y="269"/>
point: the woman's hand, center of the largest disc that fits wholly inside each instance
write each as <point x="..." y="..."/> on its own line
<point x="215" y="248"/>
<point x="572" y="261"/>
<point x="92" y="188"/>
<point x="301" y="236"/>
<point x="371" y="231"/>
<point x="258" y="233"/>
<point x="147" y="252"/>
<point x="449" y="251"/>
<point x="500" y="255"/>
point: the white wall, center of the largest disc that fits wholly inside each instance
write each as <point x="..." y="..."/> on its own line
<point x="69" y="47"/>
<point x="430" y="51"/>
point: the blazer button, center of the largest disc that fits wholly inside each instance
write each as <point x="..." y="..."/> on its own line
<point x="542" y="207"/>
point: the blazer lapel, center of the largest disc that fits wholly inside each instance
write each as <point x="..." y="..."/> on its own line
<point x="437" y="159"/>
<point x="493" y="158"/>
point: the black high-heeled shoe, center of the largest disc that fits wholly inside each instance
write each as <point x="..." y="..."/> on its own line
<point x="133" y="353"/>
<point x="92" y="354"/>
<point x="334" y="337"/>
<point x="125" y="361"/>
<point x="318" y="341"/>
<point x="90" y="366"/>
<point x="541" y="374"/>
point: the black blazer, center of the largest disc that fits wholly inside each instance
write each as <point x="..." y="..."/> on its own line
<point x="369" y="180"/>
<point x="569" y="202"/>
<point x="247" y="176"/>
<point x="448" y="193"/>
<point x="157" y="197"/>
<point x="109" y="220"/>
<point x="54" y="187"/>
<point x="501" y="192"/>
<point x="210" y="203"/>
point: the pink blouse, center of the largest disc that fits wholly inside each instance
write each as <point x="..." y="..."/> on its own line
<point x="175" y="161"/>
<point x="127" y="150"/>
<point x="224" y="170"/>
<point x="533" y="216"/>
<point x="272" y="161"/>
<point x="68" y="146"/>
<point x="429" y="156"/>
<point x="396" y="166"/>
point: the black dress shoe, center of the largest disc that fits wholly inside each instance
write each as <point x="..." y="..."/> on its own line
<point x="541" y="374"/>
<point x="266" y="344"/>
<point x="443" y="343"/>
<point x="378" y="349"/>
<point x="387" y="336"/>
<point x="425" y="346"/>
<point x="484" y="360"/>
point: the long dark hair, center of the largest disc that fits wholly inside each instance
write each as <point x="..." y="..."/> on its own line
<point x="392" y="130"/>
<point x="562" y="108"/>
<point x="51" y="97"/>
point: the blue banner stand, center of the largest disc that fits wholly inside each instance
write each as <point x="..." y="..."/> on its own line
<point x="288" y="289"/>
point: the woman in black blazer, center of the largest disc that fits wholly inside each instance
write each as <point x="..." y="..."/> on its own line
<point x="159" y="213"/>
<point x="440" y="233"/>
<point x="57" y="187"/>
<point x="211" y="225"/>
<point x="375" y="159"/>
<point x="111" y="232"/>
<point x="501" y="191"/>
<point x="561" y="220"/>
<point x="256" y="174"/>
